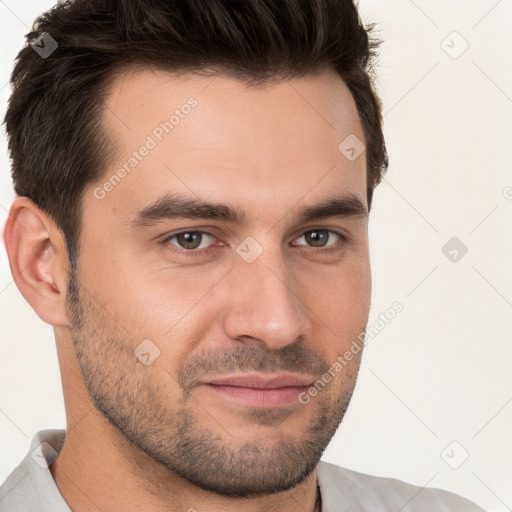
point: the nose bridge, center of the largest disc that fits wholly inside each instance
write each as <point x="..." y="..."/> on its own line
<point x="264" y="302"/>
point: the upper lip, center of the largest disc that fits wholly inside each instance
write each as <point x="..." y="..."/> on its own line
<point x="263" y="381"/>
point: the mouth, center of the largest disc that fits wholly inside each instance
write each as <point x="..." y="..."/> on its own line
<point x="260" y="390"/>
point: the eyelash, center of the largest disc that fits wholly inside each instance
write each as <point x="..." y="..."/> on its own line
<point x="191" y="253"/>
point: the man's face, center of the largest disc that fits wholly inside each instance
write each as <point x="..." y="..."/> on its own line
<point x="162" y="307"/>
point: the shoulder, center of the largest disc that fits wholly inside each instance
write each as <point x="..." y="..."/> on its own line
<point x="30" y="486"/>
<point x="368" y="492"/>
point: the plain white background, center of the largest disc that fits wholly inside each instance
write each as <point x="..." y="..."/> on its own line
<point x="435" y="386"/>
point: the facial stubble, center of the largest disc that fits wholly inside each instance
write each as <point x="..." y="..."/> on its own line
<point x="135" y="400"/>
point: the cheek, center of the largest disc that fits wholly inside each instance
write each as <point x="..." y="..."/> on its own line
<point x="340" y="297"/>
<point x="143" y="295"/>
<point x="167" y="306"/>
<point x="339" y="306"/>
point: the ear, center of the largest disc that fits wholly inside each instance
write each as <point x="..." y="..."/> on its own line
<point x="38" y="259"/>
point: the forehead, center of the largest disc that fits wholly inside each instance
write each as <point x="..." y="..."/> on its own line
<point x="217" y="138"/>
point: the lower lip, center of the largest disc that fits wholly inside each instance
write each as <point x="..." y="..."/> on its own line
<point x="265" y="398"/>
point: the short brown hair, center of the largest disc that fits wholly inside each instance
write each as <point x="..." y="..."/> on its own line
<point x="56" y="142"/>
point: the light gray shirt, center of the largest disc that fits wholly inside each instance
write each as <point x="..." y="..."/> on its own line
<point x="31" y="487"/>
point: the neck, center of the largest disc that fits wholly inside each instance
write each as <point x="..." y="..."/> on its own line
<point x="105" y="472"/>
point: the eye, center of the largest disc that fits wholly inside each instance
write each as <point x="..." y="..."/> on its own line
<point x="319" y="237"/>
<point x="191" y="241"/>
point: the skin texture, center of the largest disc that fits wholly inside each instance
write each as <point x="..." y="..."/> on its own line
<point x="152" y="437"/>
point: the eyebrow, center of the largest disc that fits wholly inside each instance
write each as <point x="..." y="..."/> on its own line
<point x="174" y="206"/>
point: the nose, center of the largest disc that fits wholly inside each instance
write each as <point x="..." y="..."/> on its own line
<point x="265" y="303"/>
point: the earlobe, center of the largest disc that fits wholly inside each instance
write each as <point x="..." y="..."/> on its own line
<point x="38" y="260"/>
